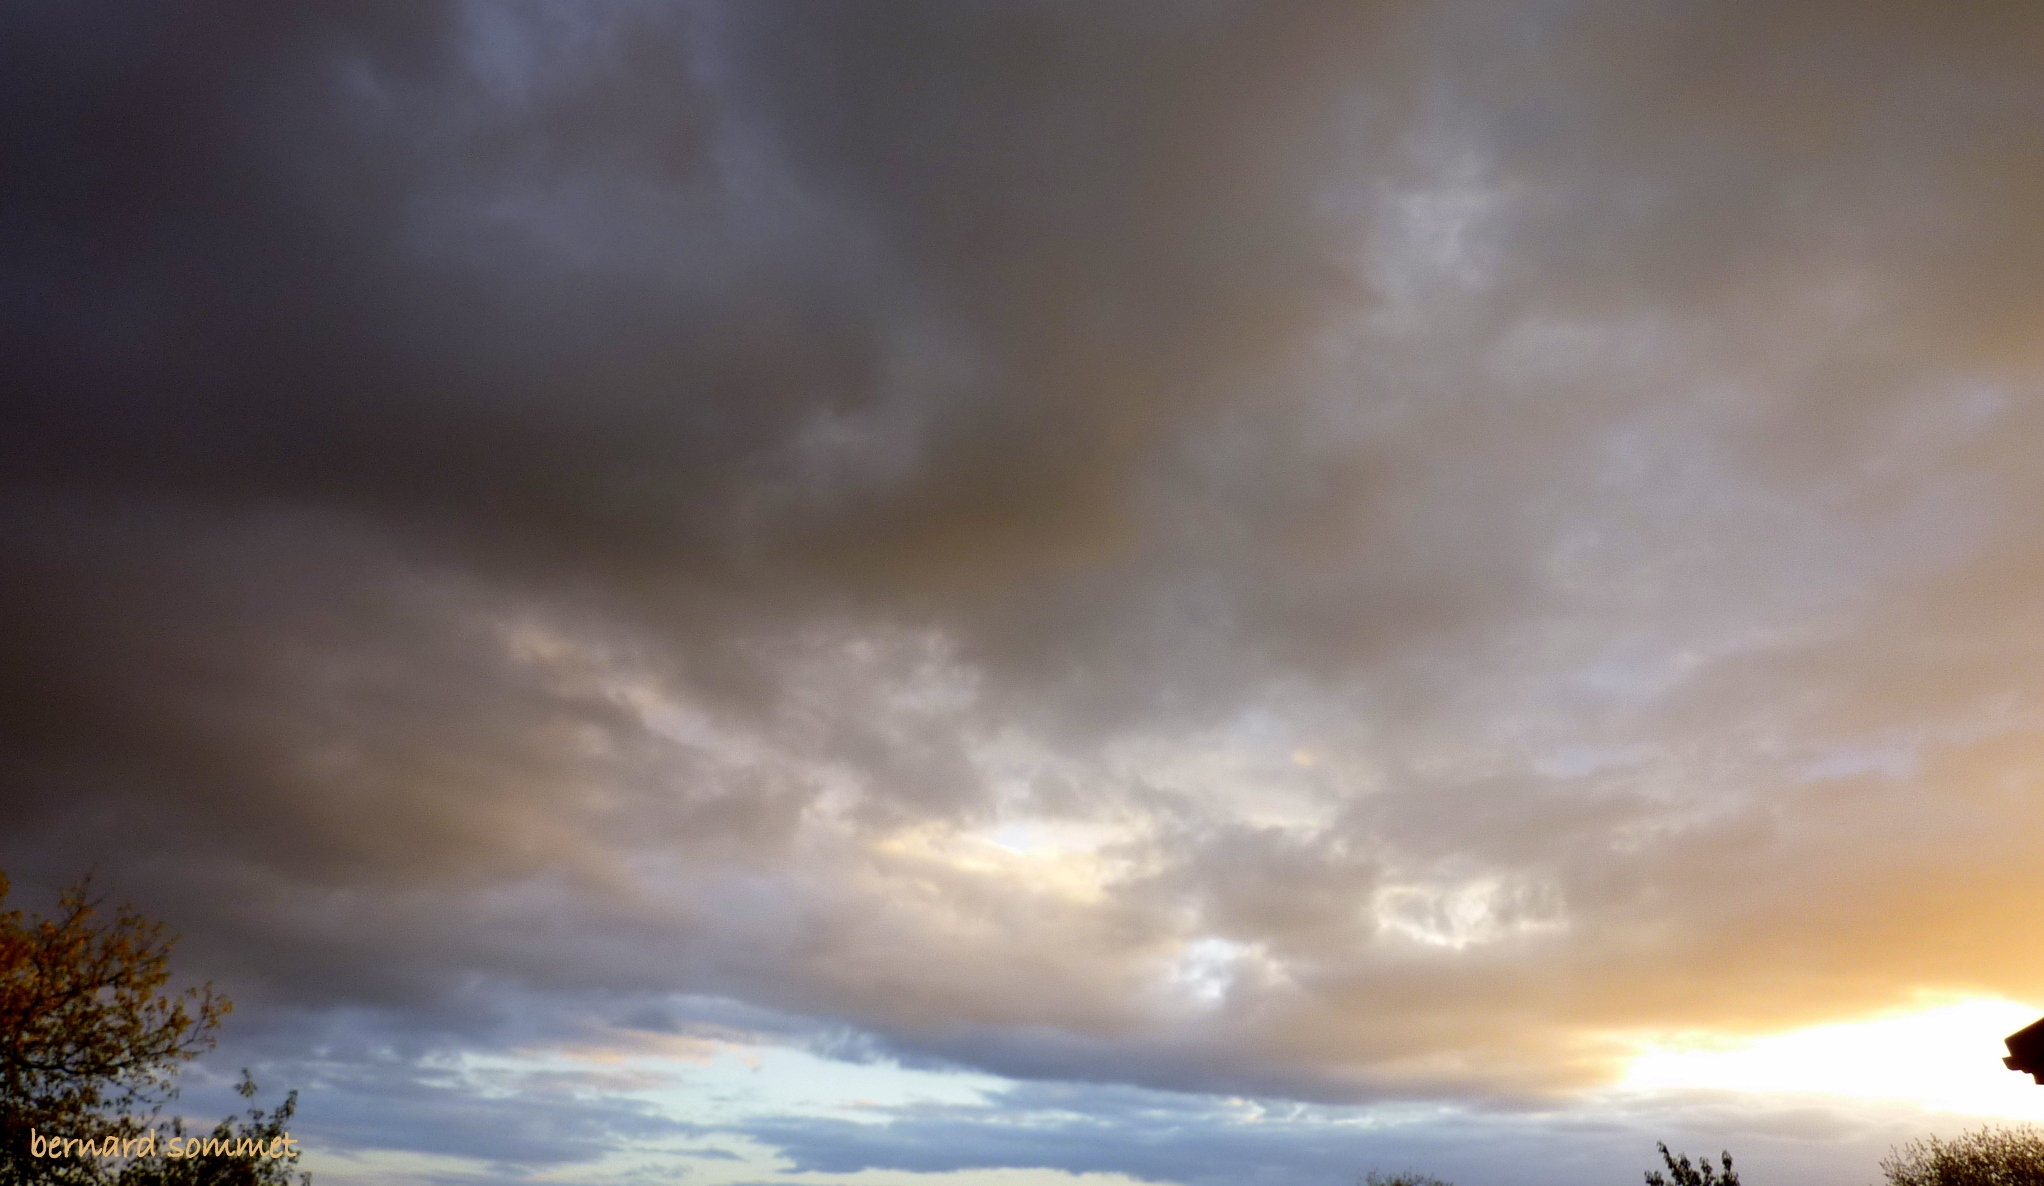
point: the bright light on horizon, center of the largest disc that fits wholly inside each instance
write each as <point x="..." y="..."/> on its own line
<point x="1945" y="1056"/>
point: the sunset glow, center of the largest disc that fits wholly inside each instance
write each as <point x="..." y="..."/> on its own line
<point x="1037" y="592"/>
<point x="1943" y="1057"/>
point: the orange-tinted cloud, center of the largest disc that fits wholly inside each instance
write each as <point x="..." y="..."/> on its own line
<point x="1342" y="551"/>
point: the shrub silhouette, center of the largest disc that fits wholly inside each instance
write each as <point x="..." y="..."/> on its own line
<point x="1682" y="1173"/>
<point x="1991" y="1156"/>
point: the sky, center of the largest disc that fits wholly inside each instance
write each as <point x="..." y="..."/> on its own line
<point x="1041" y="594"/>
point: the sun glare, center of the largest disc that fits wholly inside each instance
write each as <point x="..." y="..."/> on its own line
<point x="1944" y="1056"/>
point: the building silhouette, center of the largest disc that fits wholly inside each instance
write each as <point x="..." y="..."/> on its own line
<point x="2026" y="1050"/>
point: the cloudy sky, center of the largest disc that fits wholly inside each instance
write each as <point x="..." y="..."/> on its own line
<point x="1052" y="594"/>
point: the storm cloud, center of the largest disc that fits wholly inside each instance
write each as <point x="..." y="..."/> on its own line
<point x="1336" y="552"/>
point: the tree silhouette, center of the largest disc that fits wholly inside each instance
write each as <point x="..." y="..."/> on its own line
<point x="1991" y="1156"/>
<point x="230" y="1163"/>
<point x="1682" y="1173"/>
<point x="91" y="1043"/>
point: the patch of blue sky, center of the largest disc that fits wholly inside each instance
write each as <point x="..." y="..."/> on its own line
<point x="738" y="1082"/>
<point x="759" y="1115"/>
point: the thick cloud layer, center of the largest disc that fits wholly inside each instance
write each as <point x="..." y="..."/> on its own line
<point x="1332" y="551"/>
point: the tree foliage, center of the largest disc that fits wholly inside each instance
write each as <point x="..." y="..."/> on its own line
<point x="234" y="1165"/>
<point x="1682" y="1173"/>
<point x="1991" y="1156"/>
<point x="90" y="1045"/>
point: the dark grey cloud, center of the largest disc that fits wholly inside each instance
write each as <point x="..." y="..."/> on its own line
<point x="1303" y="550"/>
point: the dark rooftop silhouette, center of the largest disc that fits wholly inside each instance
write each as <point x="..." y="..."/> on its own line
<point x="2026" y="1050"/>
